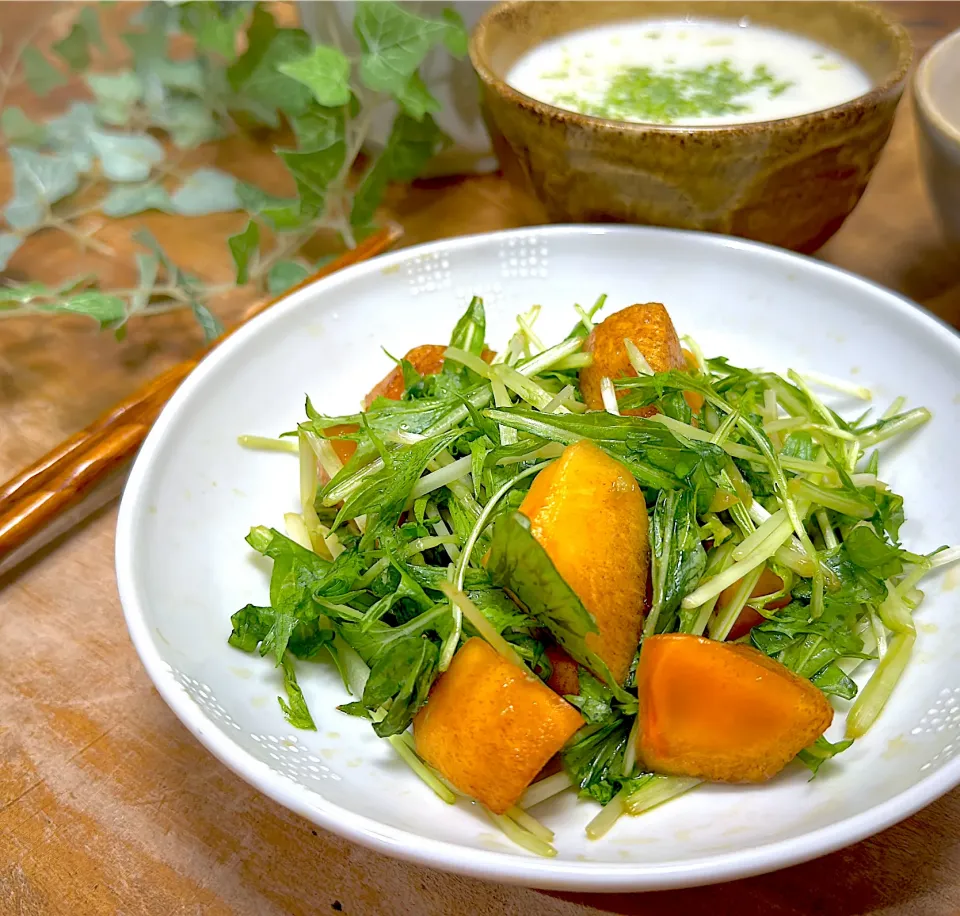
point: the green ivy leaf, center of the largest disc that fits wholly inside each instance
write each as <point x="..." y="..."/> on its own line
<point x="101" y="307"/>
<point x="415" y="99"/>
<point x="74" y="48"/>
<point x="318" y="127"/>
<point x="9" y="243"/>
<point x="260" y="32"/>
<point x="70" y="133"/>
<point x="42" y="77"/>
<point x="90" y="23"/>
<point x="212" y="328"/>
<point x="313" y="171"/>
<point x="286" y="274"/>
<point x="325" y="72"/>
<point x="410" y="146"/>
<point x="214" y="28"/>
<point x="189" y="122"/>
<point x="116" y="93"/>
<point x="126" y="157"/>
<point x="455" y="35"/>
<point x="282" y="213"/>
<point x="265" y="85"/>
<point x="148" y="48"/>
<point x="147" y="267"/>
<point x="39" y="180"/>
<point x="394" y="42"/>
<point x="207" y="190"/>
<point x="126" y="200"/>
<point x="184" y="75"/>
<point x="19" y="130"/>
<point x="243" y="246"/>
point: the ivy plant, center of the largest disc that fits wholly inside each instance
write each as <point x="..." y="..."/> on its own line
<point x="119" y="151"/>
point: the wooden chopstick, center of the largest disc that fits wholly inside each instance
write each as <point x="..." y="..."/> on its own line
<point x="62" y="478"/>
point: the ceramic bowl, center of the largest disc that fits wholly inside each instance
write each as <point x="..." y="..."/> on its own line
<point x="790" y="182"/>
<point x="936" y="98"/>
<point x="183" y="567"/>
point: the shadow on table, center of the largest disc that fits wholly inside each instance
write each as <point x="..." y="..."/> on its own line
<point x="903" y="869"/>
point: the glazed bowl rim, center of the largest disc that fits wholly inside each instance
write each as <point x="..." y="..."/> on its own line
<point x="893" y="82"/>
<point x="921" y="89"/>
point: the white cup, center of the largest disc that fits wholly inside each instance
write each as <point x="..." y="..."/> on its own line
<point x="936" y="97"/>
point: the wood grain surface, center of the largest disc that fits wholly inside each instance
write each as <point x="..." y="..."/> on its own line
<point x="108" y="806"/>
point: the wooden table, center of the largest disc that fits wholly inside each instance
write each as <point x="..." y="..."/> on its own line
<point x="108" y="806"/>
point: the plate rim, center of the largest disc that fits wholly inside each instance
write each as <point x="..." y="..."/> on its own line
<point x="519" y="868"/>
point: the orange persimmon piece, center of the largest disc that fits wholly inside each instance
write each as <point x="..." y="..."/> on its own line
<point x="769" y="583"/>
<point x="588" y="513"/>
<point x="343" y="448"/>
<point x="426" y="359"/>
<point x="693" y="398"/>
<point x="650" y="328"/>
<point x="722" y="711"/>
<point x="489" y="727"/>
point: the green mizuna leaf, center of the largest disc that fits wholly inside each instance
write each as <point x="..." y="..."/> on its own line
<point x="325" y="71"/>
<point x="593" y="759"/>
<point x="403" y="674"/>
<point x="126" y="157"/>
<point x="207" y="190"/>
<point x="243" y="246"/>
<point x="678" y="558"/>
<point x="820" y="752"/>
<point x="386" y="491"/>
<point x="295" y="707"/>
<point x="42" y="77"/>
<point x="39" y="180"/>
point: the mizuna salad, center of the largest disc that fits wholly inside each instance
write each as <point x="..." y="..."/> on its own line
<point x="608" y="565"/>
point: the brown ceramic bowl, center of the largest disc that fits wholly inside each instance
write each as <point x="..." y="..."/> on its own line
<point x="789" y="182"/>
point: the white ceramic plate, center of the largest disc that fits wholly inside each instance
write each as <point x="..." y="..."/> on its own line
<point x="183" y="567"/>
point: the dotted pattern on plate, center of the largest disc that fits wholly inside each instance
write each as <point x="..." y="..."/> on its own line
<point x="943" y="716"/>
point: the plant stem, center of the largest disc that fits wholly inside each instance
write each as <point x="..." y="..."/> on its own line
<point x="84" y="240"/>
